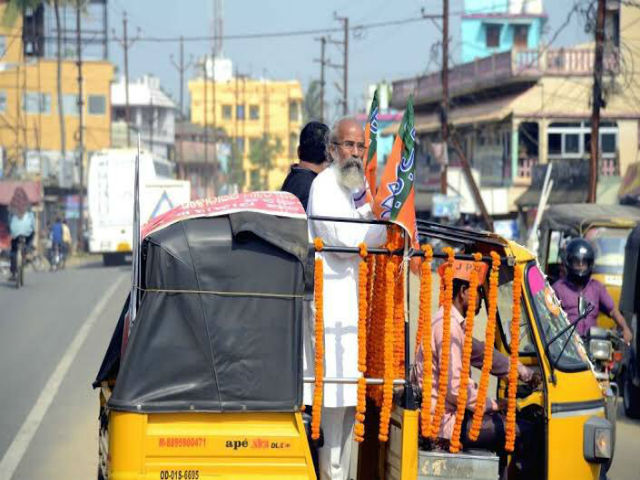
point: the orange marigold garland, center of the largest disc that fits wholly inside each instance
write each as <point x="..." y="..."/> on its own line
<point x="445" y="353"/>
<point x="423" y="337"/>
<point x="362" y="343"/>
<point x="375" y="348"/>
<point x="455" y="444"/>
<point x="489" y="341"/>
<point x="319" y="334"/>
<point x="398" y="320"/>
<point x="387" y="389"/>
<point x="510" y="428"/>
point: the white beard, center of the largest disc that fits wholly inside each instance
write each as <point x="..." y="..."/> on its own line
<point x="350" y="174"/>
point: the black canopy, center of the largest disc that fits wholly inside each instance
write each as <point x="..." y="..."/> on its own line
<point x="219" y="327"/>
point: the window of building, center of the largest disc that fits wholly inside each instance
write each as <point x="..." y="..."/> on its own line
<point x="294" y="111"/>
<point x="96" y="104"/>
<point x="254" y="143"/>
<point x="571" y="143"/>
<point x="254" y="112"/>
<point x="293" y="145"/>
<point x="240" y="145"/>
<point x="521" y="36"/>
<point x="227" y="112"/>
<point x="492" y="35"/>
<point x="573" y="139"/>
<point x="70" y="104"/>
<point x="34" y="102"/>
<point x="240" y="112"/>
<point x="3" y="100"/>
<point x="3" y="45"/>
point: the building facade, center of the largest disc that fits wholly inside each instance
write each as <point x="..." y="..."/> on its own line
<point x="496" y="26"/>
<point x="526" y="107"/>
<point x="152" y="113"/>
<point x="30" y="130"/>
<point x="261" y="118"/>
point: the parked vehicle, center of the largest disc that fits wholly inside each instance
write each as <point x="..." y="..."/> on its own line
<point x="110" y="198"/>
<point x="630" y="308"/>
<point x="206" y="380"/>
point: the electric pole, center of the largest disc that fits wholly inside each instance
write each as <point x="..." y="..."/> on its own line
<point x="80" y="131"/>
<point x="323" y="62"/>
<point x="126" y="43"/>
<point x="206" y="128"/>
<point x="444" y="107"/>
<point x="345" y="61"/>
<point x="596" y="102"/>
<point x="181" y="67"/>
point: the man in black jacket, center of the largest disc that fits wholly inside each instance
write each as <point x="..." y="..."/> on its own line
<point x="313" y="157"/>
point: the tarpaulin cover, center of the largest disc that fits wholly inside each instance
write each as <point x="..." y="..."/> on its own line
<point x="574" y="218"/>
<point x="219" y="327"/>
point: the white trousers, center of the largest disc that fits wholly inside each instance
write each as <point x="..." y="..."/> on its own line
<point x="334" y="458"/>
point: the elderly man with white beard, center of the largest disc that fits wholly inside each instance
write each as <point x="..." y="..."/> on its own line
<point x="340" y="191"/>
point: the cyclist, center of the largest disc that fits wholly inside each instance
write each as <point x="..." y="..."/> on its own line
<point x="22" y="224"/>
<point x="57" y="235"/>
<point x="578" y="286"/>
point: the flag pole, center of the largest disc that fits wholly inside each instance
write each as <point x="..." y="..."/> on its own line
<point x="135" y="250"/>
<point x="409" y="403"/>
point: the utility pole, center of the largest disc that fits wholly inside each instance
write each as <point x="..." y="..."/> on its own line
<point x="181" y="67"/>
<point x="323" y="62"/>
<point x="126" y="43"/>
<point x="444" y="107"/>
<point x="596" y="102"/>
<point x="345" y="62"/>
<point x="206" y="128"/>
<point x="80" y="131"/>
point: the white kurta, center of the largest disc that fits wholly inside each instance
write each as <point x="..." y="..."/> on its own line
<point x="328" y="198"/>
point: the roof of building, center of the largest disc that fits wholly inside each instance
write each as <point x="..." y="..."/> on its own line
<point x="145" y="91"/>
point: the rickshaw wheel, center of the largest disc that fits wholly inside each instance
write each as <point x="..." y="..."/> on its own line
<point x="630" y="397"/>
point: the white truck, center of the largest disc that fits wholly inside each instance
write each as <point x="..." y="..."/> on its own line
<point x="110" y="198"/>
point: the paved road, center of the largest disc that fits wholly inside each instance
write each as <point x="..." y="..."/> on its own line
<point x="53" y="334"/>
<point x="38" y="325"/>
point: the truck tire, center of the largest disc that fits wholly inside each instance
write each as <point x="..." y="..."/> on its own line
<point x="631" y="396"/>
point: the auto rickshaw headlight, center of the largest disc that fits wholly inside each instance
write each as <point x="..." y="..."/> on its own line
<point x="598" y="446"/>
<point x="600" y="349"/>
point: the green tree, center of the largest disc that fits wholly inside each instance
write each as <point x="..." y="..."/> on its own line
<point x="262" y="155"/>
<point x="312" y="104"/>
<point x="235" y="170"/>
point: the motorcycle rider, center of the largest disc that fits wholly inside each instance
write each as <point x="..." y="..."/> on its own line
<point x="578" y="286"/>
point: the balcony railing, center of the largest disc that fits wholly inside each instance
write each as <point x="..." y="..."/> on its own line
<point x="502" y="68"/>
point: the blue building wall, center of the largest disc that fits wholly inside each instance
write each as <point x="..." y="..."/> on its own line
<point x="479" y="14"/>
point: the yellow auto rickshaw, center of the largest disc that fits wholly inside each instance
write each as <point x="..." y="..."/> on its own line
<point x="205" y="381"/>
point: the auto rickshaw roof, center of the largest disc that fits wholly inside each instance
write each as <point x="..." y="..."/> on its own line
<point x="575" y="218"/>
<point x="219" y="324"/>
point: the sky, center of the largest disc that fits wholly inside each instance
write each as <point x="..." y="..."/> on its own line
<point x="385" y="53"/>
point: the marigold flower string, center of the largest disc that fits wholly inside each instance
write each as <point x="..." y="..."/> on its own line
<point x="424" y="338"/>
<point x="387" y="390"/>
<point x="375" y="351"/>
<point x="398" y="320"/>
<point x="319" y="334"/>
<point x="455" y="444"/>
<point x="489" y="341"/>
<point x="362" y="342"/>
<point x="443" y="377"/>
<point x="510" y="427"/>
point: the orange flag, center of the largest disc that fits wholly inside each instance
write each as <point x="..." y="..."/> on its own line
<point x="395" y="197"/>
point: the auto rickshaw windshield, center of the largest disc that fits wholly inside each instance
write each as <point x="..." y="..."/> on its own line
<point x="609" y="246"/>
<point x="551" y="321"/>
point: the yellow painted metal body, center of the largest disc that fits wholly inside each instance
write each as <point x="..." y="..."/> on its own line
<point x="207" y="446"/>
<point x="565" y="457"/>
<point x="402" y="454"/>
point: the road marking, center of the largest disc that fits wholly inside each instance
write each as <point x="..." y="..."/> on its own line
<point x="27" y="431"/>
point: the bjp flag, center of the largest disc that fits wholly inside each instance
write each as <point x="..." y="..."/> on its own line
<point x="371" y="139"/>
<point x="395" y="197"/>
